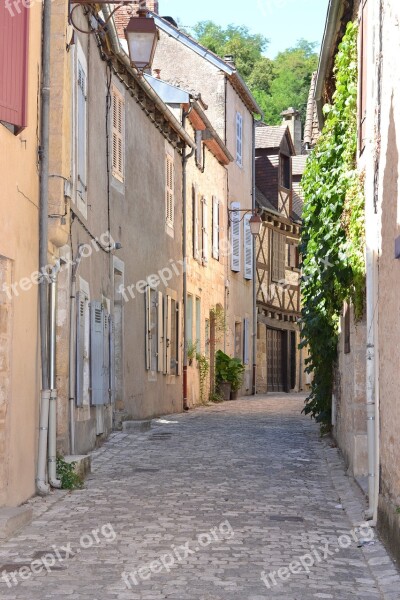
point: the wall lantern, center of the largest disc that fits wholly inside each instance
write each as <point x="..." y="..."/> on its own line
<point x="141" y="32"/>
<point x="255" y="222"/>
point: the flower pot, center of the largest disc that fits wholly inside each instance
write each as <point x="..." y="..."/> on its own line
<point x="225" y="390"/>
<point x="234" y="394"/>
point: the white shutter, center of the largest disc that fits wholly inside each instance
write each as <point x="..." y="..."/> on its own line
<point x="118" y="149"/>
<point x="235" y="237"/>
<point x="248" y="249"/>
<point x="148" y="328"/>
<point x="246" y="341"/>
<point x="106" y="358"/>
<point x="96" y="352"/>
<point x="112" y="360"/>
<point x="195" y="224"/>
<point x="167" y="335"/>
<point x="239" y="139"/>
<point x="205" y="231"/>
<point x="81" y="117"/>
<point x="80" y="346"/>
<point x="179" y="344"/>
<point x="169" y="190"/>
<point x="160" y="333"/>
<point x="215" y="228"/>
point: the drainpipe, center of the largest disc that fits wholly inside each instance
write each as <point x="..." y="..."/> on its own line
<point x="253" y="166"/>
<point x="42" y="486"/>
<point x="72" y="337"/>
<point x="185" y="159"/>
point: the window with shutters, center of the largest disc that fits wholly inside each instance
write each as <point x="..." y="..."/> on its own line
<point x="81" y="131"/>
<point x="118" y="134"/>
<point x="215" y="228"/>
<point x="152" y="329"/>
<point x="248" y="248"/>
<point x="82" y="362"/>
<point x="172" y="336"/>
<point x="96" y="353"/>
<point x="204" y="231"/>
<point x="278" y="258"/>
<point x="14" y="30"/>
<point x="189" y="319"/>
<point x="363" y="76"/>
<point x="198" y="324"/>
<point x="195" y="224"/>
<point x="235" y="236"/>
<point x="169" y="190"/>
<point x="239" y="139"/>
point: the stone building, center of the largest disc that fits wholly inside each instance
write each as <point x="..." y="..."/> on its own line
<point x="280" y="363"/>
<point x="20" y="35"/>
<point x="366" y="414"/>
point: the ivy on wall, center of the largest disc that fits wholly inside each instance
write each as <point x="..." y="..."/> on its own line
<point x="333" y="235"/>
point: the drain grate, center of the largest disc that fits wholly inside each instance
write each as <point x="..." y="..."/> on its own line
<point x="160" y="436"/>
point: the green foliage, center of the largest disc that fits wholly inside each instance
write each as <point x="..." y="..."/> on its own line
<point x="192" y="350"/>
<point x="332" y="243"/>
<point x="229" y="370"/>
<point x="66" y="473"/>
<point x="216" y="398"/>
<point x="276" y="84"/>
<point x="203" y="365"/>
<point x="218" y="314"/>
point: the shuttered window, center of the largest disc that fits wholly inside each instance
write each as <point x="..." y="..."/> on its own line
<point x="195" y="223"/>
<point x="278" y="256"/>
<point x="14" y="30"/>
<point x="246" y="341"/>
<point x="198" y="324"/>
<point x="118" y="135"/>
<point x="81" y="132"/>
<point x="248" y="249"/>
<point x="96" y="353"/>
<point x="239" y="139"/>
<point x="189" y="319"/>
<point x="205" y="231"/>
<point x="215" y="228"/>
<point x="82" y="367"/>
<point x="154" y="329"/>
<point x="235" y="237"/>
<point x="169" y="190"/>
<point x="363" y="75"/>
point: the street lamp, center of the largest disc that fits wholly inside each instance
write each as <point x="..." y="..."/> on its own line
<point x="141" y="32"/>
<point x="255" y="221"/>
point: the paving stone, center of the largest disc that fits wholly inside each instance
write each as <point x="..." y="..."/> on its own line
<point x="229" y="494"/>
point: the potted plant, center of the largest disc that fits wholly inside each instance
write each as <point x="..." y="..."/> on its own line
<point x="222" y="361"/>
<point x="235" y="374"/>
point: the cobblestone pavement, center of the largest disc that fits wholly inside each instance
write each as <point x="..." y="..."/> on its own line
<point x="226" y="493"/>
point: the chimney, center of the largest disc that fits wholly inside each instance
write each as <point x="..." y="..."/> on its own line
<point x="291" y="118"/>
<point x="230" y="60"/>
<point x="123" y="14"/>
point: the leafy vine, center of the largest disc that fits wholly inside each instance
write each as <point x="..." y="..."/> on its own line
<point x="333" y="236"/>
<point x="204" y="368"/>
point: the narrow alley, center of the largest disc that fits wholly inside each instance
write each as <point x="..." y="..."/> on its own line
<point x="239" y="501"/>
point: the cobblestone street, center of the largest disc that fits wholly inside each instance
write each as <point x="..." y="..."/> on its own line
<point x="197" y="508"/>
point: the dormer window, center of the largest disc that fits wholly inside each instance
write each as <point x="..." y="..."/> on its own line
<point x="285" y="168"/>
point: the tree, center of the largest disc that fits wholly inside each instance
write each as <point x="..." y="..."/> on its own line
<point x="276" y="84"/>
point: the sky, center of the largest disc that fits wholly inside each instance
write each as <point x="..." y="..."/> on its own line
<point x="282" y="21"/>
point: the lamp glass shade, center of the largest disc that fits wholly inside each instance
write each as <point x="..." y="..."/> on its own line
<point x="255" y="225"/>
<point x="142" y="36"/>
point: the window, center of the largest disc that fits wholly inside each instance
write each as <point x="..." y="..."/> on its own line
<point x="235" y="237"/>
<point x="169" y="190"/>
<point x="195" y="225"/>
<point x="198" y="324"/>
<point x="248" y="249"/>
<point x="172" y="336"/>
<point x="238" y="340"/>
<point x="118" y="134"/>
<point x="14" y="30"/>
<point x="239" y="139"/>
<point x="154" y="324"/>
<point x="346" y="328"/>
<point x="363" y="76"/>
<point x="215" y="228"/>
<point x="205" y="230"/>
<point x="285" y="171"/>
<point x="278" y="258"/>
<point x="292" y="256"/>
<point x="189" y="319"/>
<point x="81" y="131"/>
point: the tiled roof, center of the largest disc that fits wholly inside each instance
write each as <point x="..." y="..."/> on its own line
<point x="311" y="128"/>
<point x="263" y="201"/>
<point x="270" y="136"/>
<point x="299" y="164"/>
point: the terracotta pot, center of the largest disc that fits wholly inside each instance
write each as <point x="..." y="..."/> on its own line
<point x="225" y="390"/>
<point x="234" y="394"/>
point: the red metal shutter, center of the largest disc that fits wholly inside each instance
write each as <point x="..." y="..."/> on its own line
<point x="14" y="28"/>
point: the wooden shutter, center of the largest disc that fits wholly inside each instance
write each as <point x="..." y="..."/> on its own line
<point x="198" y="324"/>
<point x="215" y="228"/>
<point x="96" y="352"/>
<point x="80" y="347"/>
<point x="160" y="333"/>
<point x="195" y="224"/>
<point x="235" y="237"/>
<point x="205" y="231"/>
<point x="169" y="186"/>
<point x="246" y="341"/>
<point x="278" y="256"/>
<point x="248" y="249"/>
<point x="239" y="139"/>
<point x="167" y="335"/>
<point x="363" y="75"/>
<point x="118" y="149"/>
<point x="106" y="358"/>
<point x="112" y="359"/>
<point x="282" y="257"/>
<point x="148" y="328"/>
<point x="189" y="319"/>
<point x="81" y="129"/>
<point x="179" y="337"/>
<point x="14" y="38"/>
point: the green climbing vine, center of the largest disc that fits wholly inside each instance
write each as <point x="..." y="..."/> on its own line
<point x="333" y="237"/>
<point x="203" y="365"/>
